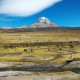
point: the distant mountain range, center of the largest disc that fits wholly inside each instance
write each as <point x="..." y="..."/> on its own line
<point x="42" y="24"/>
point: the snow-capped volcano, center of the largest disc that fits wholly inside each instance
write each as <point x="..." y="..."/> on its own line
<point x="44" y="22"/>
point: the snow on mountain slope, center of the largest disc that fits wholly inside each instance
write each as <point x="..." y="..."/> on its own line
<point x="44" y="22"/>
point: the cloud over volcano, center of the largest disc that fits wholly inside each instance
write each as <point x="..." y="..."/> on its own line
<point x="24" y="7"/>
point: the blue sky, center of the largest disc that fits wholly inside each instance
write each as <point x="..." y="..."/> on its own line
<point x="63" y="13"/>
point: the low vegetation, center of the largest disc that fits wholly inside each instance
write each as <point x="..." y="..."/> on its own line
<point x="38" y="47"/>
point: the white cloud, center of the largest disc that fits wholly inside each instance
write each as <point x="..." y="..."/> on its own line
<point x="24" y="7"/>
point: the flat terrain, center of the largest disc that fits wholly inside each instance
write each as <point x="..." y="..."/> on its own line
<point x="40" y="46"/>
<point x="31" y="48"/>
<point x="38" y="37"/>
